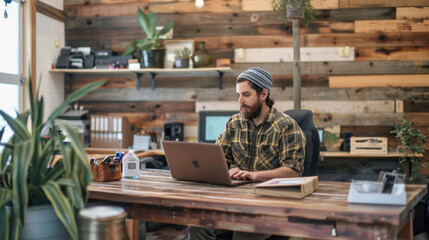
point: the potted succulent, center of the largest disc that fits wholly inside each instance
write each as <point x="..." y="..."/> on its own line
<point x="295" y="9"/>
<point x="413" y="143"/>
<point x="41" y="173"/>
<point x="182" y="57"/>
<point x="152" y="48"/>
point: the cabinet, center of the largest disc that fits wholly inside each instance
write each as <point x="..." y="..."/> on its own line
<point x="152" y="71"/>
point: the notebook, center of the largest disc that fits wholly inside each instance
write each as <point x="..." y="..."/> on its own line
<point x="198" y="162"/>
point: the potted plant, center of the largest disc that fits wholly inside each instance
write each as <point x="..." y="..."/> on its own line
<point x="42" y="173"/>
<point x="295" y="9"/>
<point x="152" y="48"/>
<point x="413" y="143"/>
<point x="331" y="141"/>
<point x="182" y="57"/>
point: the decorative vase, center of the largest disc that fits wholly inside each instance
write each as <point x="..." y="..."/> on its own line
<point x="153" y="58"/>
<point x="41" y="222"/>
<point x="202" y="57"/>
<point x="181" y="63"/>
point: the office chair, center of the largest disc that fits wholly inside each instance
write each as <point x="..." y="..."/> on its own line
<point x="304" y="118"/>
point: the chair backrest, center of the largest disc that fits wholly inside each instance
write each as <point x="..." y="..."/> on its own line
<point x="304" y="118"/>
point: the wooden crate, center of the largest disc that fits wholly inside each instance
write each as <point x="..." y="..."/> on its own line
<point x="369" y="145"/>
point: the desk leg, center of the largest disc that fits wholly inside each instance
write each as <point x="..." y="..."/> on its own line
<point x="133" y="229"/>
<point x="407" y="230"/>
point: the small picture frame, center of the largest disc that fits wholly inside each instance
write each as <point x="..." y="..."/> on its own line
<point x="172" y="45"/>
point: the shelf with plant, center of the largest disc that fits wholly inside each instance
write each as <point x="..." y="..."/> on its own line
<point x="29" y="175"/>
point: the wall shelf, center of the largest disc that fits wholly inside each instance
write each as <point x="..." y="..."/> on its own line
<point x="153" y="72"/>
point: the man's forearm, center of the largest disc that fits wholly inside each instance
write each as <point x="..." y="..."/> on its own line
<point x="281" y="172"/>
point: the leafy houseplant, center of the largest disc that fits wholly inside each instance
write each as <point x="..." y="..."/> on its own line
<point x="413" y="141"/>
<point x="152" y="49"/>
<point x="289" y="8"/>
<point x="36" y="170"/>
<point x="331" y="141"/>
<point x="182" y="57"/>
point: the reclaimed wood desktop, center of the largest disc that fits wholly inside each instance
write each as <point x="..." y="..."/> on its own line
<point x="159" y="198"/>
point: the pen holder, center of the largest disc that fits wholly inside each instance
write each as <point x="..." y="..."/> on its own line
<point x="104" y="173"/>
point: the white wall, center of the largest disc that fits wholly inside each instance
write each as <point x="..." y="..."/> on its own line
<point x="49" y="33"/>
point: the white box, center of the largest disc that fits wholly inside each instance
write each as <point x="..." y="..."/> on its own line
<point x="368" y="192"/>
<point x="141" y="142"/>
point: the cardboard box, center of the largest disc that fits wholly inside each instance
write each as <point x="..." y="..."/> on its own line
<point x="288" y="187"/>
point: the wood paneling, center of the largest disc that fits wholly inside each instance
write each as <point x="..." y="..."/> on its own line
<point x="381" y="3"/>
<point x="368" y="26"/>
<point x="265" y="5"/>
<point x="392" y="53"/>
<point x="122" y="95"/>
<point x="390" y="37"/>
<point x="415" y="80"/>
<point x="119" y="9"/>
<point x="412" y="12"/>
<point x="416" y="106"/>
<point x="138" y="107"/>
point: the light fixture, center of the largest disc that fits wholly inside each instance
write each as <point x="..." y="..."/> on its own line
<point x="199" y="3"/>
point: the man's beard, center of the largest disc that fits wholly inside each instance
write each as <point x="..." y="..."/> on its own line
<point x="254" y="111"/>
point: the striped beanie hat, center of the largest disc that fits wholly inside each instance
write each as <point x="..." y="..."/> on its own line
<point x="258" y="76"/>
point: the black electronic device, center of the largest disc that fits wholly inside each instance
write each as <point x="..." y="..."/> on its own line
<point x="173" y="131"/>
<point x="89" y="61"/>
<point x="345" y="146"/>
<point x="103" y="58"/>
<point x="62" y="61"/>
<point x="211" y="124"/>
<point x="388" y="180"/>
<point x="65" y="51"/>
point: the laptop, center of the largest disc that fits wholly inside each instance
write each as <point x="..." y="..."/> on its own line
<point x="198" y="162"/>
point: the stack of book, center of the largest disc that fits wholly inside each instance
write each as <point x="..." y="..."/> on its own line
<point x="288" y="187"/>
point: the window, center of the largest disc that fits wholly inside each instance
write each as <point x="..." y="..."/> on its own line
<point x="10" y="63"/>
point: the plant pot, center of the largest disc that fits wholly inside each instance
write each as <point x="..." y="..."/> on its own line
<point x="335" y="146"/>
<point x="181" y="63"/>
<point x="202" y="57"/>
<point x="292" y="12"/>
<point x="153" y="58"/>
<point x="41" y="222"/>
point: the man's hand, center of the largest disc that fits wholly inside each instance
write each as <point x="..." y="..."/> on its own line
<point x="237" y="173"/>
<point x="264" y="175"/>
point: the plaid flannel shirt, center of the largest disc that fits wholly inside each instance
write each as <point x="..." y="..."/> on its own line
<point x="277" y="142"/>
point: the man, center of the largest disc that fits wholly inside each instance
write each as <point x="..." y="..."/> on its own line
<point x="259" y="143"/>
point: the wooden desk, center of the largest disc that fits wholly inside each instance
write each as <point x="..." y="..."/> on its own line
<point x="157" y="197"/>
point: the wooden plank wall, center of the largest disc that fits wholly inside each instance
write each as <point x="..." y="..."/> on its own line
<point x="389" y="37"/>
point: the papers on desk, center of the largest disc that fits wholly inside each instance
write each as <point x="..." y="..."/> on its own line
<point x="288" y="187"/>
<point x="370" y="192"/>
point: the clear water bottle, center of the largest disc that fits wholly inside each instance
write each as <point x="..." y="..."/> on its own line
<point x="130" y="165"/>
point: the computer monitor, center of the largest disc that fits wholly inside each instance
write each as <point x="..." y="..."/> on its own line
<point x="211" y="124"/>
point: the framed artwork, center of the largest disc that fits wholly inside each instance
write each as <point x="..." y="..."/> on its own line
<point x="172" y="45"/>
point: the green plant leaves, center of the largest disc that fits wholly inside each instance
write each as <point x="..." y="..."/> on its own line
<point x="17" y="126"/>
<point x="165" y="29"/>
<point x="61" y="207"/>
<point x="22" y="154"/>
<point x="413" y="141"/>
<point x="145" y="22"/>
